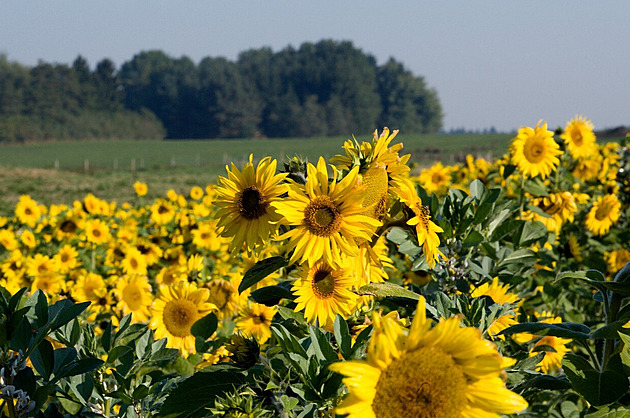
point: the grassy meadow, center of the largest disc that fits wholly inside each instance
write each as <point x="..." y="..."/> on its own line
<point x="61" y="172"/>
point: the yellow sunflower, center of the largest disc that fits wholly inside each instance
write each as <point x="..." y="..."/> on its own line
<point x="574" y="248"/>
<point x="534" y="151"/>
<point x="8" y="240"/>
<point x="134" y="297"/>
<point x="255" y="320"/>
<point x="245" y="199"/>
<point x="140" y="188"/>
<point x="162" y="212"/>
<point x="96" y="231"/>
<point x="67" y="258"/>
<point x="134" y="262"/>
<point x="41" y="265"/>
<point x="617" y="259"/>
<point x="587" y="169"/>
<point x="175" y="311"/>
<point x="28" y="211"/>
<point x="205" y="236"/>
<point x="436" y="179"/>
<point x="440" y="371"/>
<point x="89" y="287"/>
<point x="323" y="292"/>
<point x="499" y="294"/>
<point x="326" y="217"/>
<point x="224" y="295"/>
<point x="426" y="229"/>
<point x="196" y="193"/>
<point x="51" y="284"/>
<point x="603" y="214"/>
<point x="28" y="238"/>
<point x="554" y="347"/>
<point x="579" y="137"/>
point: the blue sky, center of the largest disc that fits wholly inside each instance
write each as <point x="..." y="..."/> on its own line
<point x="495" y="63"/>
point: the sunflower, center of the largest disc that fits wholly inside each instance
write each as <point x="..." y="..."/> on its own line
<point x="51" y="284"/>
<point x="323" y="292"/>
<point x="426" y="229"/>
<point x="554" y="347"/>
<point x="223" y="295"/>
<point x="28" y="211"/>
<point x="587" y="169"/>
<point x="326" y="217"/>
<point x="245" y="200"/>
<point x="442" y="371"/>
<point x="196" y="193"/>
<point x="89" y="287"/>
<point x="67" y="258"/>
<point x="96" y="231"/>
<point x="134" y="262"/>
<point x="499" y="294"/>
<point x="534" y="151"/>
<point x="603" y="214"/>
<point x="28" y="238"/>
<point x="134" y="297"/>
<point x="205" y="236"/>
<point x="436" y="179"/>
<point x="579" y="137"/>
<point x="8" y="240"/>
<point x="41" y="265"/>
<point x="574" y="248"/>
<point x="254" y="320"/>
<point x="162" y="212"/>
<point x="617" y="259"/>
<point x="140" y="188"/>
<point x="175" y="311"/>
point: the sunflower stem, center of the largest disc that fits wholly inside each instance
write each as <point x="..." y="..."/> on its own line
<point x="522" y="196"/>
<point x="592" y="355"/>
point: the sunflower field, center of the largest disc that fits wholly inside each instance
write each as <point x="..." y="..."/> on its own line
<point x="352" y="287"/>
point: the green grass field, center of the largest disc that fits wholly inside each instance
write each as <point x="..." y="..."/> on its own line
<point x="55" y="172"/>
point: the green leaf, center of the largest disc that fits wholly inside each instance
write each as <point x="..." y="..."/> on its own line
<point x="477" y="189"/>
<point x="260" y="270"/>
<point x="544" y="382"/>
<point x="625" y="352"/>
<point x="473" y="238"/>
<point x="271" y="295"/>
<point x="205" y="327"/>
<point x="523" y="255"/>
<point x="117" y="352"/>
<point x="342" y="336"/>
<point x="564" y="330"/>
<point x="63" y="356"/>
<point x="531" y="232"/>
<point x="386" y="289"/>
<point x="43" y="359"/>
<point x="321" y="345"/>
<point x="597" y="388"/>
<point x="192" y="397"/>
<point x="536" y="187"/>
<point x="606" y="412"/>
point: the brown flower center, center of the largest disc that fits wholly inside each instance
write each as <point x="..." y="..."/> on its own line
<point x="251" y="203"/>
<point x="423" y="383"/>
<point x="179" y="316"/>
<point x="321" y="216"/>
<point x="323" y="283"/>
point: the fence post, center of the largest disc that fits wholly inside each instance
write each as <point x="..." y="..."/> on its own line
<point x="133" y="165"/>
<point x="56" y="163"/>
<point x="86" y="165"/>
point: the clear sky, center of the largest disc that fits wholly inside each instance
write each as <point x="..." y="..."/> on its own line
<point x="495" y="63"/>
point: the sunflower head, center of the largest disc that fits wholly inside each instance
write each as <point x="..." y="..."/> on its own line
<point x="579" y="137"/>
<point x="534" y="151"/>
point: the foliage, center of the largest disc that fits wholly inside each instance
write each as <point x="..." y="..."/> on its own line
<point x="518" y="262"/>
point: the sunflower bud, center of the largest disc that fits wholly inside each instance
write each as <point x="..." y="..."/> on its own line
<point x="244" y="351"/>
<point x="296" y="167"/>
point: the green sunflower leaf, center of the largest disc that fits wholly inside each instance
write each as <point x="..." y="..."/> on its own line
<point x="260" y="270"/>
<point x="386" y="289"/>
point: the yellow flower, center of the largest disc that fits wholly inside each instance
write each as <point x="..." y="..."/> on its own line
<point x="255" y="320"/>
<point x="617" y="259"/>
<point x="134" y="297"/>
<point x="27" y="211"/>
<point x="90" y="287"/>
<point x="196" y="193"/>
<point x="603" y="214"/>
<point x="436" y="179"/>
<point x="323" y="292"/>
<point x="140" y="188"/>
<point x="205" y="236"/>
<point x="245" y="200"/>
<point x="134" y="262"/>
<point x="28" y="239"/>
<point x="579" y="137"/>
<point x="7" y="239"/>
<point x="67" y="258"/>
<point x="41" y="265"/>
<point x="499" y="294"/>
<point x="426" y="229"/>
<point x="442" y="371"/>
<point x="96" y="231"/>
<point x="162" y="212"/>
<point x="175" y="311"/>
<point x="223" y="295"/>
<point x="554" y="347"/>
<point x="534" y="151"/>
<point x="587" y="169"/>
<point x="326" y="217"/>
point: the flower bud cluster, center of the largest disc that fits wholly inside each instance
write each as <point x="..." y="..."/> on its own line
<point x="11" y="365"/>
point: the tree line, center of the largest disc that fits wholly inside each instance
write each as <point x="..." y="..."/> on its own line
<point x="318" y="89"/>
